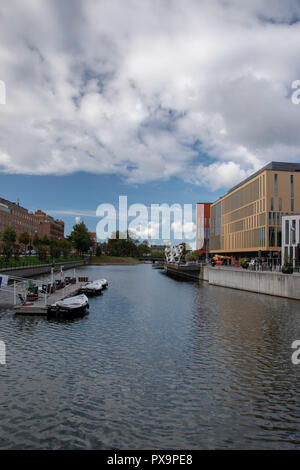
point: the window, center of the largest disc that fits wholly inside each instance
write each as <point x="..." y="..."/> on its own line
<point x="271" y="236"/>
<point x="272" y="203"/>
<point x="270" y="218"/>
<point x="286" y="254"/>
<point x="280" y="204"/>
<point x="287" y="232"/>
<point x="279" y="241"/>
<point x="293" y="230"/>
<point x="292" y="205"/>
<point x="276" y="184"/>
<point x="292" y="186"/>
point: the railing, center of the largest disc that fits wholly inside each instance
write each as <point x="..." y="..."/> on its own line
<point x="34" y="261"/>
<point x="19" y="286"/>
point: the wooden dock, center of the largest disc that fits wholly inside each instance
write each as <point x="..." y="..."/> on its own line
<point x="39" y="307"/>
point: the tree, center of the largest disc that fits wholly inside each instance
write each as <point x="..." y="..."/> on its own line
<point x="9" y="237"/>
<point x="40" y="245"/>
<point x="80" y="238"/>
<point x="143" y="249"/>
<point x="55" y="248"/>
<point x="16" y="251"/>
<point x="24" y="239"/>
<point x="98" y="250"/>
<point x="36" y="241"/>
<point x="65" y="247"/>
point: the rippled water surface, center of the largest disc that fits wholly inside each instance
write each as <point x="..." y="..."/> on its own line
<point x="156" y="364"/>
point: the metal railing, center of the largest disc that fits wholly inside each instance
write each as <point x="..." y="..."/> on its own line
<point x="34" y="261"/>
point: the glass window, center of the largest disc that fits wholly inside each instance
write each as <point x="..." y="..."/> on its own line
<point x="276" y="184"/>
<point x="293" y="230"/>
<point x="274" y="218"/>
<point x="292" y="205"/>
<point x="292" y="185"/>
<point x="287" y="232"/>
<point x="270" y="218"/>
<point x="271" y="236"/>
<point x="272" y="203"/>
<point x="278" y="218"/>
<point x="279" y="241"/>
<point x="280" y="204"/>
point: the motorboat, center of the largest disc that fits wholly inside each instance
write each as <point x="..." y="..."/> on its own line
<point x="104" y="283"/>
<point x="70" y="306"/>
<point x="92" y="288"/>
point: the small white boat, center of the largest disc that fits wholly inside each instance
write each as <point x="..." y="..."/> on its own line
<point x="104" y="283"/>
<point x="92" y="288"/>
<point x="71" y="306"/>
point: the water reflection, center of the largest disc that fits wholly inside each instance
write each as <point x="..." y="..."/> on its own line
<point x="156" y="364"/>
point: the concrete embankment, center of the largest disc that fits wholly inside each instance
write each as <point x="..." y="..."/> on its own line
<point x="33" y="271"/>
<point x="261" y="282"/>
<point x="182" y="271"/>
<point x="270" y="283"/>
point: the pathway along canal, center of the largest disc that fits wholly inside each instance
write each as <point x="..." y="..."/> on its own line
<point x="157" y="364"/>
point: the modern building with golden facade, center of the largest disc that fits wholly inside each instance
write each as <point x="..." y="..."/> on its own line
<point x="247" y="220"/>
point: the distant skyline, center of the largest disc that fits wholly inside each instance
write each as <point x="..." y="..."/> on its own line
<point x="162" y="101"/>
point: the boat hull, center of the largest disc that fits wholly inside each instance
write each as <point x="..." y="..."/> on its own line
<point x="62" y="312"/>
<point x="69" y="308"/>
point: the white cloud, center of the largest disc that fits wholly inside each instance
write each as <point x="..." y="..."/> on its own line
<point x="149" y="90"/>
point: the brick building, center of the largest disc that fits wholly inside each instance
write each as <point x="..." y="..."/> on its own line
<point x="21" y="220"/>
<point x="49" y="226"/>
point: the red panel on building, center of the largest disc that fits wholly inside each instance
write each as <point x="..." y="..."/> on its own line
<point x="202" y="234"/>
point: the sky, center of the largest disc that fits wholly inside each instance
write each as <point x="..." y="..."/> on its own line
<point x="165" y="101"/>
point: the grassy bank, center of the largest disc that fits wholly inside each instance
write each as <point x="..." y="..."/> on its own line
<point x="98" y="260"/>
<point x="33" y="261"/>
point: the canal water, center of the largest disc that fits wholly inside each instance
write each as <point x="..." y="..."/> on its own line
<point x="157" y="364"/>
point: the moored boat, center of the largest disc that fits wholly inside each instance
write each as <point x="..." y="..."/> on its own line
<point x="92" y="288"/>
<point x="71" y="306"/>
<point x="104" y="283"/>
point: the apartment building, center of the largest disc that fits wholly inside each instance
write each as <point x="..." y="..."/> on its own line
<point x="247" y="220"/>
<point x="16" y="216"/>
<point x="49" y="226"/>
<point x="21" y="220"/>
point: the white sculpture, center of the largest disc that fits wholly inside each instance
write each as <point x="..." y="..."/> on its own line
<point x="173" y="253"/>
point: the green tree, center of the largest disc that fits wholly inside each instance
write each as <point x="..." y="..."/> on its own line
<point x="36" y="241"/>
<point x="55" y="248"/>
<point x="80" y="238"/>
<point x="143" y="249"/>
<point x="9" y="238"/>
<point x="65" y="246"/>
<point x="16" y="251"/>
<point x="9" y="235"/>
<point x="24" y="239"/>
<point x="98" y="250"/>
<point x="41" y="247"/>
